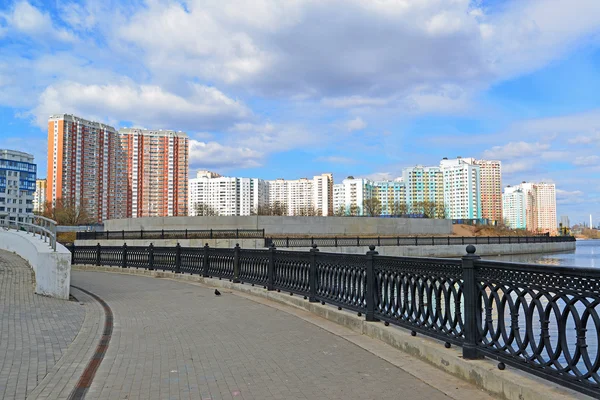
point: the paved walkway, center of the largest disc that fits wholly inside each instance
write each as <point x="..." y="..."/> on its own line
<point x="35" y="331"/>
<point x="173" y="340"/>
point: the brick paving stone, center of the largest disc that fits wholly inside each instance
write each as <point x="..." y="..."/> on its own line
<point x="177" y="341"/>
<point x="35" y="331"/>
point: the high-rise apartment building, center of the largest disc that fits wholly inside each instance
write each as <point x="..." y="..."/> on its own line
<point x="84" y="166"/>
<point x="156" y="170"/>
<point x="17" y="185"/>
<point x="303" y="196"/>
<point x="39" y="197"/>
<point x="391" y="196"/>
<point x="490" y="189"/>
<point x="514" y="207"/>
<point x="462" y="182"/>
<point x="423" y="184"/>
<point x="540" y="206"/>
<point x="546" y="207"/>
<point x="351" y="194"/>
<point x="213" y="194"/>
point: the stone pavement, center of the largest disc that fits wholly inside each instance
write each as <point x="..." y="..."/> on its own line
<point x="35" y="331"/>
<point x="173" y="340"/>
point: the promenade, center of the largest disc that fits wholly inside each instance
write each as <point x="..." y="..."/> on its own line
<point x="173" y="340"/>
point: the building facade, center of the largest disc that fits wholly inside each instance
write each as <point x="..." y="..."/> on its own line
<point x="213" y="194"/>
<point x="391" y="196"/>
<point x="17" y="185"/>
<point x="303" y="196"/>
<point x="85" y="167"/>
<point x="539" y="202"/>
<point x="462" y="188"/>
<point x="424" y="185"/>
<point x="514" y="207"/>
<point x="491" y="189"/>
<point x="156" y="170"/>
<point x="39" y="197"/>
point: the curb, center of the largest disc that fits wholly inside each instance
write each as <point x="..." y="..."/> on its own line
<point x="510" y="384"/>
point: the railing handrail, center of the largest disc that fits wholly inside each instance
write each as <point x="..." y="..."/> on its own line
<point x="234" y="233"/>
<point x="47" y="229"/>
<point x="407" y="240"/>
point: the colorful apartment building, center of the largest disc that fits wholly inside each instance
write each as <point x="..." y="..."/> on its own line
<point x="156" y="168"/>
<point x="85" y="166"/>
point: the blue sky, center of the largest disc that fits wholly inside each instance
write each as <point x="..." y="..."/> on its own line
<point x="270" y="88"/>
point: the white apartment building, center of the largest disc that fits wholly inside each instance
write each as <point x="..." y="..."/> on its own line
<point x="17" y="185"/>
<point x="514" y="206"/>
<point x="539" y="203"/>
<point x="391" y="194"/>
<point x="226" y="195"/>
<point x="39" y="197"/>
<point x="462" y="182"/>
<point x="303" y="195"/>
<point x="351" y="195"/>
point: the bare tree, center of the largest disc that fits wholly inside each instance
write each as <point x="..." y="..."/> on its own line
<point x="354" y="210"/>
<point x="341" y="211"/>
<point x="306" y="212"/>
<point x="68" y="212"/>
<point x="372" y="207"/>
<point x="205" y="210"/>
<point x="399" y="208"/>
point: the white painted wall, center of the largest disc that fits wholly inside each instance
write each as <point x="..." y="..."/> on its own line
<point x="52" y="268"/>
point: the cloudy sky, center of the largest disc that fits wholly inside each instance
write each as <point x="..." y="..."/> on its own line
<point x="293" y="88"/>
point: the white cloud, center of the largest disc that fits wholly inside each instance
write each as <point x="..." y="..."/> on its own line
<point x="29" y="20"/>
<point x="586" y="160"/>
<point x="354" y="101"/>
<point x="207" y="155"/>
<point x="515" y="150"/>
<point x="518" y="166"/>
<point x="336" y="160"/>
<point x="269" y="137"/>
<point x="202" y="108"/>
<point x="355" y="124"/>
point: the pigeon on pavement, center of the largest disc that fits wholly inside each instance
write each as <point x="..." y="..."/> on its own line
<point x="217" y="293"/>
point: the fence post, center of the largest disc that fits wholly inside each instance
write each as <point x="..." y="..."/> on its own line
<point x="236" y="263"/>
<point x="162" y="233"/>
<point x="378" y="241"/>
<point x="98" y="248"/>
<point x="205" y="266"/>
<point x="287" y="241"/>
<point x="72" y="253"/>
<point x="237" y="234"/>
<point x="416" y="240"/>
<point x="471" y="308"/>
<point x="107" y="232"/>
<point x="141" y="233"/>
<point x="448" y="240"/>
<point x="124" y="263"/>
<point x="335" y="238"/>
<point x="271" y="270"/>
<point x="122" y="234"/>
<point x="357" y="241"/>
<point x="371" y="285"/>
<point x="95" y="235"/>
<point x="186" y="234"/>
<point x="151" y="257"/>
<point x="178" y="258"/>
<point x="211" y="233"/>
<point x="312" y="274"/>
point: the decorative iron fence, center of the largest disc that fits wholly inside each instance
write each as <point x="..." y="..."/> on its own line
<point x="543" y="320"/>
<point x="347" y="241"/>
<point x="174" y="234"/>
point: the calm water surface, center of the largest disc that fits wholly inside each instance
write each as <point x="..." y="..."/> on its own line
<point x="587" y="254"/>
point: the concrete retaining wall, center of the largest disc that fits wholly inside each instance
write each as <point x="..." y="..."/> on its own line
<point x="398" y="251"/>
<point x="291" y="225"/>
<point x="52" y="268"/>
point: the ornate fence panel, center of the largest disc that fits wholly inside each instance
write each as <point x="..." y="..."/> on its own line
<point x="164" y="258"/>
<point x="342" y="280"/>
<point x="421" y="294"/>
<point x="192" y="260"/>
<point x="543" y="320"/>
<point x="348" y="241"/>
<point x="254" y="266"/>
<point x="291" y="271"/>
<point x="111" y="256"/>
<point x="85" y="255"/>
<point x="220" y="263"/>
<point x="137" y="257"/>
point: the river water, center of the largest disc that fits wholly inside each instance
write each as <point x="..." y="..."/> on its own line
<point x="587" y="254"/>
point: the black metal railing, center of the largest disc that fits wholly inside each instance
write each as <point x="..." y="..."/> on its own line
<point x="543" y="320"/>
<point x="174" y="234"/>
<point x="348" y="241"/>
